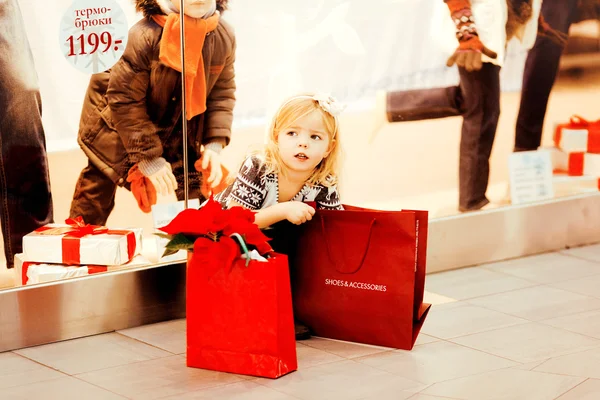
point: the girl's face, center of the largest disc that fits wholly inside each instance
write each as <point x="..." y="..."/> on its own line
<point x="304" y="144"/>
<point x="195" y="8"/>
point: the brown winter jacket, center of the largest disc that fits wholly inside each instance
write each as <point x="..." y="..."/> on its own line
<point x="132" y="111"/>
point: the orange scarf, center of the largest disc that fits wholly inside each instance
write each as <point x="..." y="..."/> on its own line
<point x="170" y="55"/>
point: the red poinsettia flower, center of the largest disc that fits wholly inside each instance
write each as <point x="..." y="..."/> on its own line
<point x="214" y="223"/>
<point x="211" y="218"/>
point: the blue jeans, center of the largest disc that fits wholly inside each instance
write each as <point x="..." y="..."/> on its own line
<point x="540" y="73"/>
<point x="477" y="100"/>
<point x="25" y="198"/>
<point x="481" y="112"/>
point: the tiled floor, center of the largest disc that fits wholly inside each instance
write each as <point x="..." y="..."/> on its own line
<point x="521" y="329"/>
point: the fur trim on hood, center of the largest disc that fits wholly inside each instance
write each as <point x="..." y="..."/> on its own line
<point x="152" y="7"/>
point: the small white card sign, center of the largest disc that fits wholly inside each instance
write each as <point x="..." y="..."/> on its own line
<point x="530" y="176"/>
<point x="162" y="214"/>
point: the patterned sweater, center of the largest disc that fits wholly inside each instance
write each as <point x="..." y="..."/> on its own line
<point x="256" y="189"/>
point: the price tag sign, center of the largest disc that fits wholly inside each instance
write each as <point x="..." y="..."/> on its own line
<point x="93" y="34"/>
<point x="530" y="176"/>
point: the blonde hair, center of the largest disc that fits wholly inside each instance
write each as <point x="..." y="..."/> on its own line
<point x="293" y="109"/>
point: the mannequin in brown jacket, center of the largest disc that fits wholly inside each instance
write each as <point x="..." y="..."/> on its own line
<point x="132" y="114"/>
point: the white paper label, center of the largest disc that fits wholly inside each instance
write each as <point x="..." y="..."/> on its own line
<point x="530" y="176"/>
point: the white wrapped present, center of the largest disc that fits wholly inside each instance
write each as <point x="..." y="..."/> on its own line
<point x="75" y="243"/>
<point x="28" y="273"/>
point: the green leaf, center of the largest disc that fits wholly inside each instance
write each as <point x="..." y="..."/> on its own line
<point x="163" y="235"/>
<point x="169" y="252"/>
<point x="180" y="242"/>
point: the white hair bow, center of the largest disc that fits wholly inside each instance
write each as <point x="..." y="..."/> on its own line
<point x="329" y="104"/>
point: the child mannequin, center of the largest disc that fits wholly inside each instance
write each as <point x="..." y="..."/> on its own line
<point x="299" y="163"/>
<point x="131" y="120"/>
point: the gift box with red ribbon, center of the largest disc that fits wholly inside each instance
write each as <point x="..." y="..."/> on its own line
<point x="28" y="273"/>
<point x="578" y="135"/>
<point x="78" y="243"/>
<point x="575" y="163"/>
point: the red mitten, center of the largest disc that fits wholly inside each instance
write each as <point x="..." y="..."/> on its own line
<point x="206" y="189"/>
<point x="470" y="48"/>
<point x="142" y="188"/>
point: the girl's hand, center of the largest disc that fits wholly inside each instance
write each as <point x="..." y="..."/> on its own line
<point x="297" y="212"/>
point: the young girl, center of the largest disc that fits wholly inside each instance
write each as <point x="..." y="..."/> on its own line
<point x="299" y="164"/>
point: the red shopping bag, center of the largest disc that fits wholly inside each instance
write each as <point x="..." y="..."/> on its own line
<point x="239" y="318"/>
<point x="359" y="275"/>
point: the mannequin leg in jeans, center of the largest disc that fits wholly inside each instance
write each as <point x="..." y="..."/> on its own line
<point x="25" y="198"/>
<point x="481" y="103"/>
<point x="540" y="73"/>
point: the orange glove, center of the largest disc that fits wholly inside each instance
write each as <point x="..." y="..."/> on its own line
<point x="469" y="51"/>
<point x="142" y="188"/>
<point x="206" y="188"/>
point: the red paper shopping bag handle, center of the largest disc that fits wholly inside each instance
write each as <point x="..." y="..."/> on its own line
<point x="364" y="255"/>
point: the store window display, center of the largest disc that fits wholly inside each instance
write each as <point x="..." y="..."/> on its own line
<point x="483" y="29"/>
<point x="131" y="120"/>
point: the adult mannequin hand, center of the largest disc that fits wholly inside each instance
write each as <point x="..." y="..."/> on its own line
<point x="468" y="54"/>
<point x="470" y="48"/>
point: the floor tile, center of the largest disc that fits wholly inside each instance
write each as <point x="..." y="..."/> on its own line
<point x="530" y="365"/>
<point x="587" y="323"/>
<point x="546" y="268"/>
<point x="67" y="388"/>
<point x="395" y="395"/>
<point x="435" y="362"/>
<point x="348" y="380"/>
<point x="528" y="342"/>
<point x="16" y="370"/>
<point x="587" y="286"/>
<point x="591" y="253"/>
<point x="584" y="364"/>
<point x="436" y="299"/>
<point x="464" y="319"/>
<point x="310" y="356"/>
<point x="538" y="303"/>
<point x="236" y="391"/>
<point x="467" y="283"/>
<point x="157" y="378"/>
<point x="505" y="384"/>
<point x="424" y="339"/>
<point x="588" y="390"/>
<point x="346" y="349"/>
<point x="169" y="336"/>
<point x="92" y="353"/>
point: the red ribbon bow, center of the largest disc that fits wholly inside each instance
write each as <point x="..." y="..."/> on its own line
<point x="80" y="228"/>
